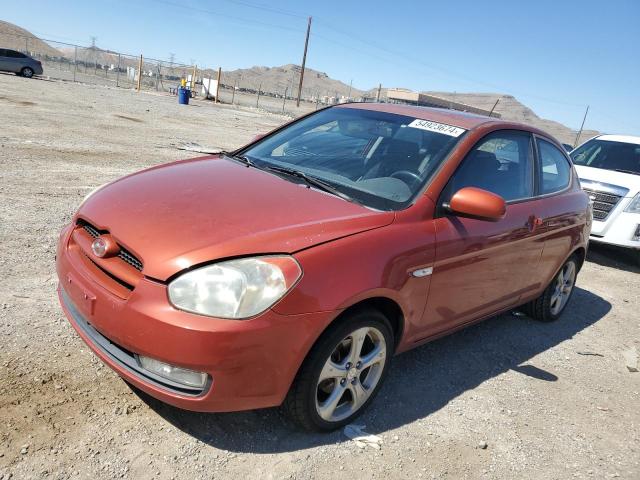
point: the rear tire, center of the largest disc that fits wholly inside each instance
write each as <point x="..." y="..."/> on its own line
<point x="342" y="373"/>
<point x="27" y="72"/>
<point x="549" y="306"/>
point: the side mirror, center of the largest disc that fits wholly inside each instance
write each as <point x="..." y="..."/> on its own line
<point x="477" y="203"/>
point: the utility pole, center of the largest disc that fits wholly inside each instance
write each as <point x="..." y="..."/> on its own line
<point x="378" y="94"/>
<point x="117" y="72"/>
<point x="350" y="85"/>
<point x="172" y="59"/>
<point x="95" y="55"/>
<point x="75" y="63"/>
<point x="233" y="93"/>
<point x="284" y="99"/>
<point x="218" y="84"/>
<point x="575" y="144"/>
<point x="258" y="99"/>
<point x="139" y="73"/>
<point x="193" y="77"/>
<point x="304" y="61"/>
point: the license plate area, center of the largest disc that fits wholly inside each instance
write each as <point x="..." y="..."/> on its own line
<point x="81" y="296"/>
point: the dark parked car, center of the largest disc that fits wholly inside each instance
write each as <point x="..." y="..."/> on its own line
<point x="19" y="63"/>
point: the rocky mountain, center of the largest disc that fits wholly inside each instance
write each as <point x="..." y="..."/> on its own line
<point x="510" y="108"/>
<point x="277" y="79"/>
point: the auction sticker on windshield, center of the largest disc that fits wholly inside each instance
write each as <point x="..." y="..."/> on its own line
<point x="437" y="127"/>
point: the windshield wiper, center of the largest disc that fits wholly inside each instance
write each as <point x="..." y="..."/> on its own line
<point x="626" y="171"/>
<point x="310" y="181"/>
<point x="241" y="158"/>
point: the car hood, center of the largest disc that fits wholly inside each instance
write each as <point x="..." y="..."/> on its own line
<point x="185" y="213"/>
<point x="628" y="181"/>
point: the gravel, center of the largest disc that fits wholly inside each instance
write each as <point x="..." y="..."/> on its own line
<point x="507" y="398"/>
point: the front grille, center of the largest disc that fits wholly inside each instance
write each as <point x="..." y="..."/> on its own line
<point x="603" y="203"/>
<point x="124" y="254"/>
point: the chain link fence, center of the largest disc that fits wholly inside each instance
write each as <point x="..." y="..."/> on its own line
<point x="95" y="66"/>
<point x="92" y="65"/>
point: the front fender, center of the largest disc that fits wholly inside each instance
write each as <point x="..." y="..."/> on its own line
<point x="375" y="263"/>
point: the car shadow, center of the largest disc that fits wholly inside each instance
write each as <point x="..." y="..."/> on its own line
<point x="420" y="382"/>
<point x="612" y="256"/>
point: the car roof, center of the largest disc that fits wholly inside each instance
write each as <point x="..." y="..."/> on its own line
<point x="465" y="120"/>
<point x="620" y="138"/>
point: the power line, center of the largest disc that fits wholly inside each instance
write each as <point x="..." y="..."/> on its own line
<point x="266" y="8"/>
<point x="446" y="72"/>
<point x="413" y="61"/>
<point x="240" y="20"/>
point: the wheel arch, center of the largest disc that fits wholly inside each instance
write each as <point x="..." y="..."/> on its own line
<point x="385" y="305"/>
<point x="581" y="254"/>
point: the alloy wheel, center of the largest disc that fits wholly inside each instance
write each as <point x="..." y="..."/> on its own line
<point x="563" y="286"/>
<point x="350" y="374"/>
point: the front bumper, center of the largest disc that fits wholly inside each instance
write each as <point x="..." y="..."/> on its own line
<point x="251" y="363"/>
<point x="618" y="230"/>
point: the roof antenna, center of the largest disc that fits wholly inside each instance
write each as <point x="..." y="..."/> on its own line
<point x="494" y="106"/>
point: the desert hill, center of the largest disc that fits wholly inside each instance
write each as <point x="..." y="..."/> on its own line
<point x="277" y="79"/>
<point x="511" y="109"/>
<point x="16" y="38"/>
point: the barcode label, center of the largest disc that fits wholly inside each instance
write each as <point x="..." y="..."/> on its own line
<point x="437" y="127"/>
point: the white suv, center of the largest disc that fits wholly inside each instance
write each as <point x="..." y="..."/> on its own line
<point x="609" y="171"/>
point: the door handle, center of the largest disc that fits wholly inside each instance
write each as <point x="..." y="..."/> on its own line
<point x="534" y="222"/>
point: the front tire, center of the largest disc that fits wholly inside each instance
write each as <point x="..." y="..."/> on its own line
<point x="27" y="72"/>
<point x="549" y="306"/>
<point x="342" y="373"/>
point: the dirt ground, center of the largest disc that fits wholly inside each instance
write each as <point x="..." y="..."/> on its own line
<point x="508" y="398"/>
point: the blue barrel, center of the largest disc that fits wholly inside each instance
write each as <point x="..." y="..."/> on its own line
<point x="183" y="95"/>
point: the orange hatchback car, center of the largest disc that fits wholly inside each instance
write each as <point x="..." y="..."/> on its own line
<point x="289" y="272"/>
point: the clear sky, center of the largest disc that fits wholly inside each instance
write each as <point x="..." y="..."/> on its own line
<point x="556" y="56"/>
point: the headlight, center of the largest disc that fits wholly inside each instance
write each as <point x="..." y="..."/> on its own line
<point x="634" y="206"/>
<point x="236" y="288"/>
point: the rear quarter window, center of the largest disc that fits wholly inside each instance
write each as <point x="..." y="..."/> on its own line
<point x="555" y="169"/>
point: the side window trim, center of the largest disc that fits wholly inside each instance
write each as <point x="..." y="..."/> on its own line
<point x="533" y="165"/>
<point x="537" y="162"/>
<point x="441" y="212"/>
<point x="538" y="172"/>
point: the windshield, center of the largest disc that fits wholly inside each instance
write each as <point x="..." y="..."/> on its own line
<point x="620" y="156"/>
<point x="377" y="159"/>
